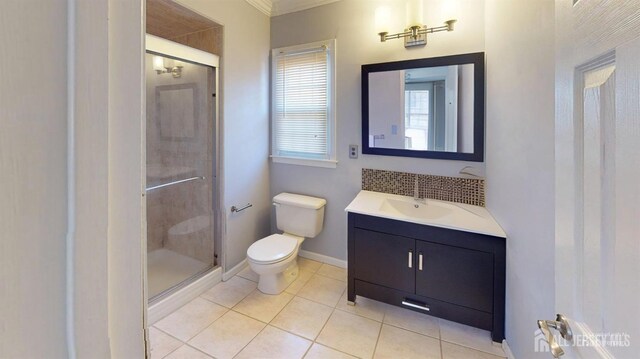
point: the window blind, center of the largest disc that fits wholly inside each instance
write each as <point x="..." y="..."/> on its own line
<point x="301" y="104"/>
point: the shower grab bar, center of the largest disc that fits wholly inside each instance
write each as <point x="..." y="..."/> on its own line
<point x="236" y="209"/>
<point x="174" y="182"/>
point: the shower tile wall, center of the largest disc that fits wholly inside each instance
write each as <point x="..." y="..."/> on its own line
<point x="179" y="217"/>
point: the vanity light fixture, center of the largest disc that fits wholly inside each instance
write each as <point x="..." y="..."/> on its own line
<point x="415" y="34"/>
<point x="167" y="66"/>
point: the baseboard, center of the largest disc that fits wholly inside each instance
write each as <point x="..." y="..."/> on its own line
<point x="235" y="270"/>
<point x="322" y="258"/>
<point x="507" y="350"/>
<point x="176" y="300"/>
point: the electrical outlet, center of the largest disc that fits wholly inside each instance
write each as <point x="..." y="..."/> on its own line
<point x="353" y="151"/>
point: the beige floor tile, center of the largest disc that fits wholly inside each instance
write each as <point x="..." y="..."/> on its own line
<point x="308" y="264"/>
<point x="364" y="307"/>
<point x="323" y="290"/>
<point x="247" y="273"/>
<point x="350" y="334"/>
<point x="296" y="285"/>
<point x="187" y="352"/>
<point x="319" y="351"/>
<point x="161" y="343"/>
<point x="227" y="336"/>
<point x="190" y="319"/>
<point x="410" y="320"/>
<point x="231" y="292"/>
<point x="303" y="317"/>
<point x="277" y="344"/>
<point x="333" y="272"/>
<point x="399" y="343"/>
<point x="453" y="351"/>
<point x="470" y="337"/>
<point x="262" y="306"/>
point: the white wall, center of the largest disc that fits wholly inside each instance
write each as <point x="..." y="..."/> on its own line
<point x="127" y="216"/>
<point x="351" y="22"/>
<point x="33" y="194"/>
<point x="244" y="90"/>
<point x="520" y="158"/>
<point x="386" y="108"/>
<point x="91" y="124"/>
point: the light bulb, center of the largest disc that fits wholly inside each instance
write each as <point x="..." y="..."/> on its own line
<point x="415" y="12"/>
<point x="383" y="19"/>
<point x="158" y="64"/>
<point x="450" y="10"/>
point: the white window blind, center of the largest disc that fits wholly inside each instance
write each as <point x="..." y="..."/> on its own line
<point x="302" y="114"/>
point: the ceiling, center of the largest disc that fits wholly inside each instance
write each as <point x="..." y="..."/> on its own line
<point x="168" y="20"/>
<point x="281" y="7"/>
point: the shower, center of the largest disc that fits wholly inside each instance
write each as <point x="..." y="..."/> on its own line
<point x="182" y="166"/>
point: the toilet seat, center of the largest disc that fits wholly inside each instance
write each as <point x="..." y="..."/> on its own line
<point x="272" y="249"/>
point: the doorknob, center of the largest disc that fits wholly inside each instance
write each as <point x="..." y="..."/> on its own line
<point x="560" y="324"/>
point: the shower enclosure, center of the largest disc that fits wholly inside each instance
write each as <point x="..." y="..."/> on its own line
<point x="182" y="191"/>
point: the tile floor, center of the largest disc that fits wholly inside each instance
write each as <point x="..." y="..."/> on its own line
<point x="310" y="319"/>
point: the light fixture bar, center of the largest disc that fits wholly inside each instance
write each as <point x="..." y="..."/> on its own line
<point x="416" y="35"/>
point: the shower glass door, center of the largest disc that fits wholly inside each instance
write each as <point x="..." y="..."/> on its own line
<point x="181" y="165"/>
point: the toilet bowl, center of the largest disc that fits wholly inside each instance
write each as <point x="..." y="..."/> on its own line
<point x="274" y="258"/>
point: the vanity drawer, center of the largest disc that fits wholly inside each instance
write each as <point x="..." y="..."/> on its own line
<point x="437" y="308"/>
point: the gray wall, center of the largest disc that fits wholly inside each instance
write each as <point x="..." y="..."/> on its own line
<point x="520" y="158"/>
<point x="33" y="142"/>
<point x="244" y="103"/>
<point x="351" y="23"/>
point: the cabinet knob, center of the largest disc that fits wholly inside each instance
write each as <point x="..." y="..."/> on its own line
<point x="410" y="258"/>
<point x="420" y="261"/>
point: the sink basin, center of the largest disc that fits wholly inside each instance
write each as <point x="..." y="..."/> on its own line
<point x="429" y="210"/>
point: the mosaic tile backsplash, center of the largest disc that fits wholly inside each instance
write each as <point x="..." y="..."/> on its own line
<point x="453" y="189"/>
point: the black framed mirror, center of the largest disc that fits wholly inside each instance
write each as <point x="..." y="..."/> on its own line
<point x="428" y="108"/>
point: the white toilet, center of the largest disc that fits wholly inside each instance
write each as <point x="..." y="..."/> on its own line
<point x="274" y="258"/>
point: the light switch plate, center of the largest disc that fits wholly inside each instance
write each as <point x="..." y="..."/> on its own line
<point x="353" y="151"/>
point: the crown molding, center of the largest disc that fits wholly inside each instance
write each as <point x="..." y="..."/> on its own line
<point x="282" y="7"/>
<point x="265" y="6"/>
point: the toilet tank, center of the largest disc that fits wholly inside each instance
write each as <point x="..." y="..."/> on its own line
<point x="299" y="215"/>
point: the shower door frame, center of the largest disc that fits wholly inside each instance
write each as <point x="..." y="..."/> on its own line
<point x="167" y="48"/>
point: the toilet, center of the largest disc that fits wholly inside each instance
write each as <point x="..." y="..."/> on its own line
<point x="274" y="258"/>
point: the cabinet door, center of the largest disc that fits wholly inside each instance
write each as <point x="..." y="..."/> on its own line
<point x="455" y="275"/>
<point x="385" y="259"/>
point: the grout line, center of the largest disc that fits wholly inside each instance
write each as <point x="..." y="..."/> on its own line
<point x="472" y="348"/>
<point x="327" y="345"/>
<point x="324" y="325"/>
<point x="250" y="341"/>
<point x="180" y="340"/>
<point x="375" y="347"/>
<point x="198" y="350"/>
<point x="171" y="352"/>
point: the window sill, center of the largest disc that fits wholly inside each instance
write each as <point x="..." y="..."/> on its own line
<point x="305" y="162"/>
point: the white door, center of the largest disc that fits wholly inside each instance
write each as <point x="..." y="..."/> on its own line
<point x="597" y="263"/>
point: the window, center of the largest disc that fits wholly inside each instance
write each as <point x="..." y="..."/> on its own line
<point x="303" y="109"/>
<point x="416" y="123"/>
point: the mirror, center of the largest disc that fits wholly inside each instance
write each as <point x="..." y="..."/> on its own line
<point x="430" y="108"/>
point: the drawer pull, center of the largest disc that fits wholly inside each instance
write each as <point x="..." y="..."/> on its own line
<point x="410" y="259"/>
<point x="415" y="305"/>
<point x="420" y="261"/>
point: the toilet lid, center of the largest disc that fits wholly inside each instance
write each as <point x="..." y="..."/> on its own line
<point x="270" y="249"/>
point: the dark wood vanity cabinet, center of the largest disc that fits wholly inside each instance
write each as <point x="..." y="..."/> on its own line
<point x="455" y="275"/>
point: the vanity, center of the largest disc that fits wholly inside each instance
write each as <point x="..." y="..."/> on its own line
<point x="439" y="258"/>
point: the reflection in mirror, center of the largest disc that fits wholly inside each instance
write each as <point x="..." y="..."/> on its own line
<point x="424" y="109"/>
<point x="430" y="108"/>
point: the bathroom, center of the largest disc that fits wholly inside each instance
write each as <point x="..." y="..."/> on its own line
<point x="80" y="285"/>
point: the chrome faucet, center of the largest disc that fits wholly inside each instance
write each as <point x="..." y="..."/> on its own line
<point x="416" y="192"/>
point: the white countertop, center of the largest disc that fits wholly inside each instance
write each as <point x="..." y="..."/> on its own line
<point x="459" y="216"/>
